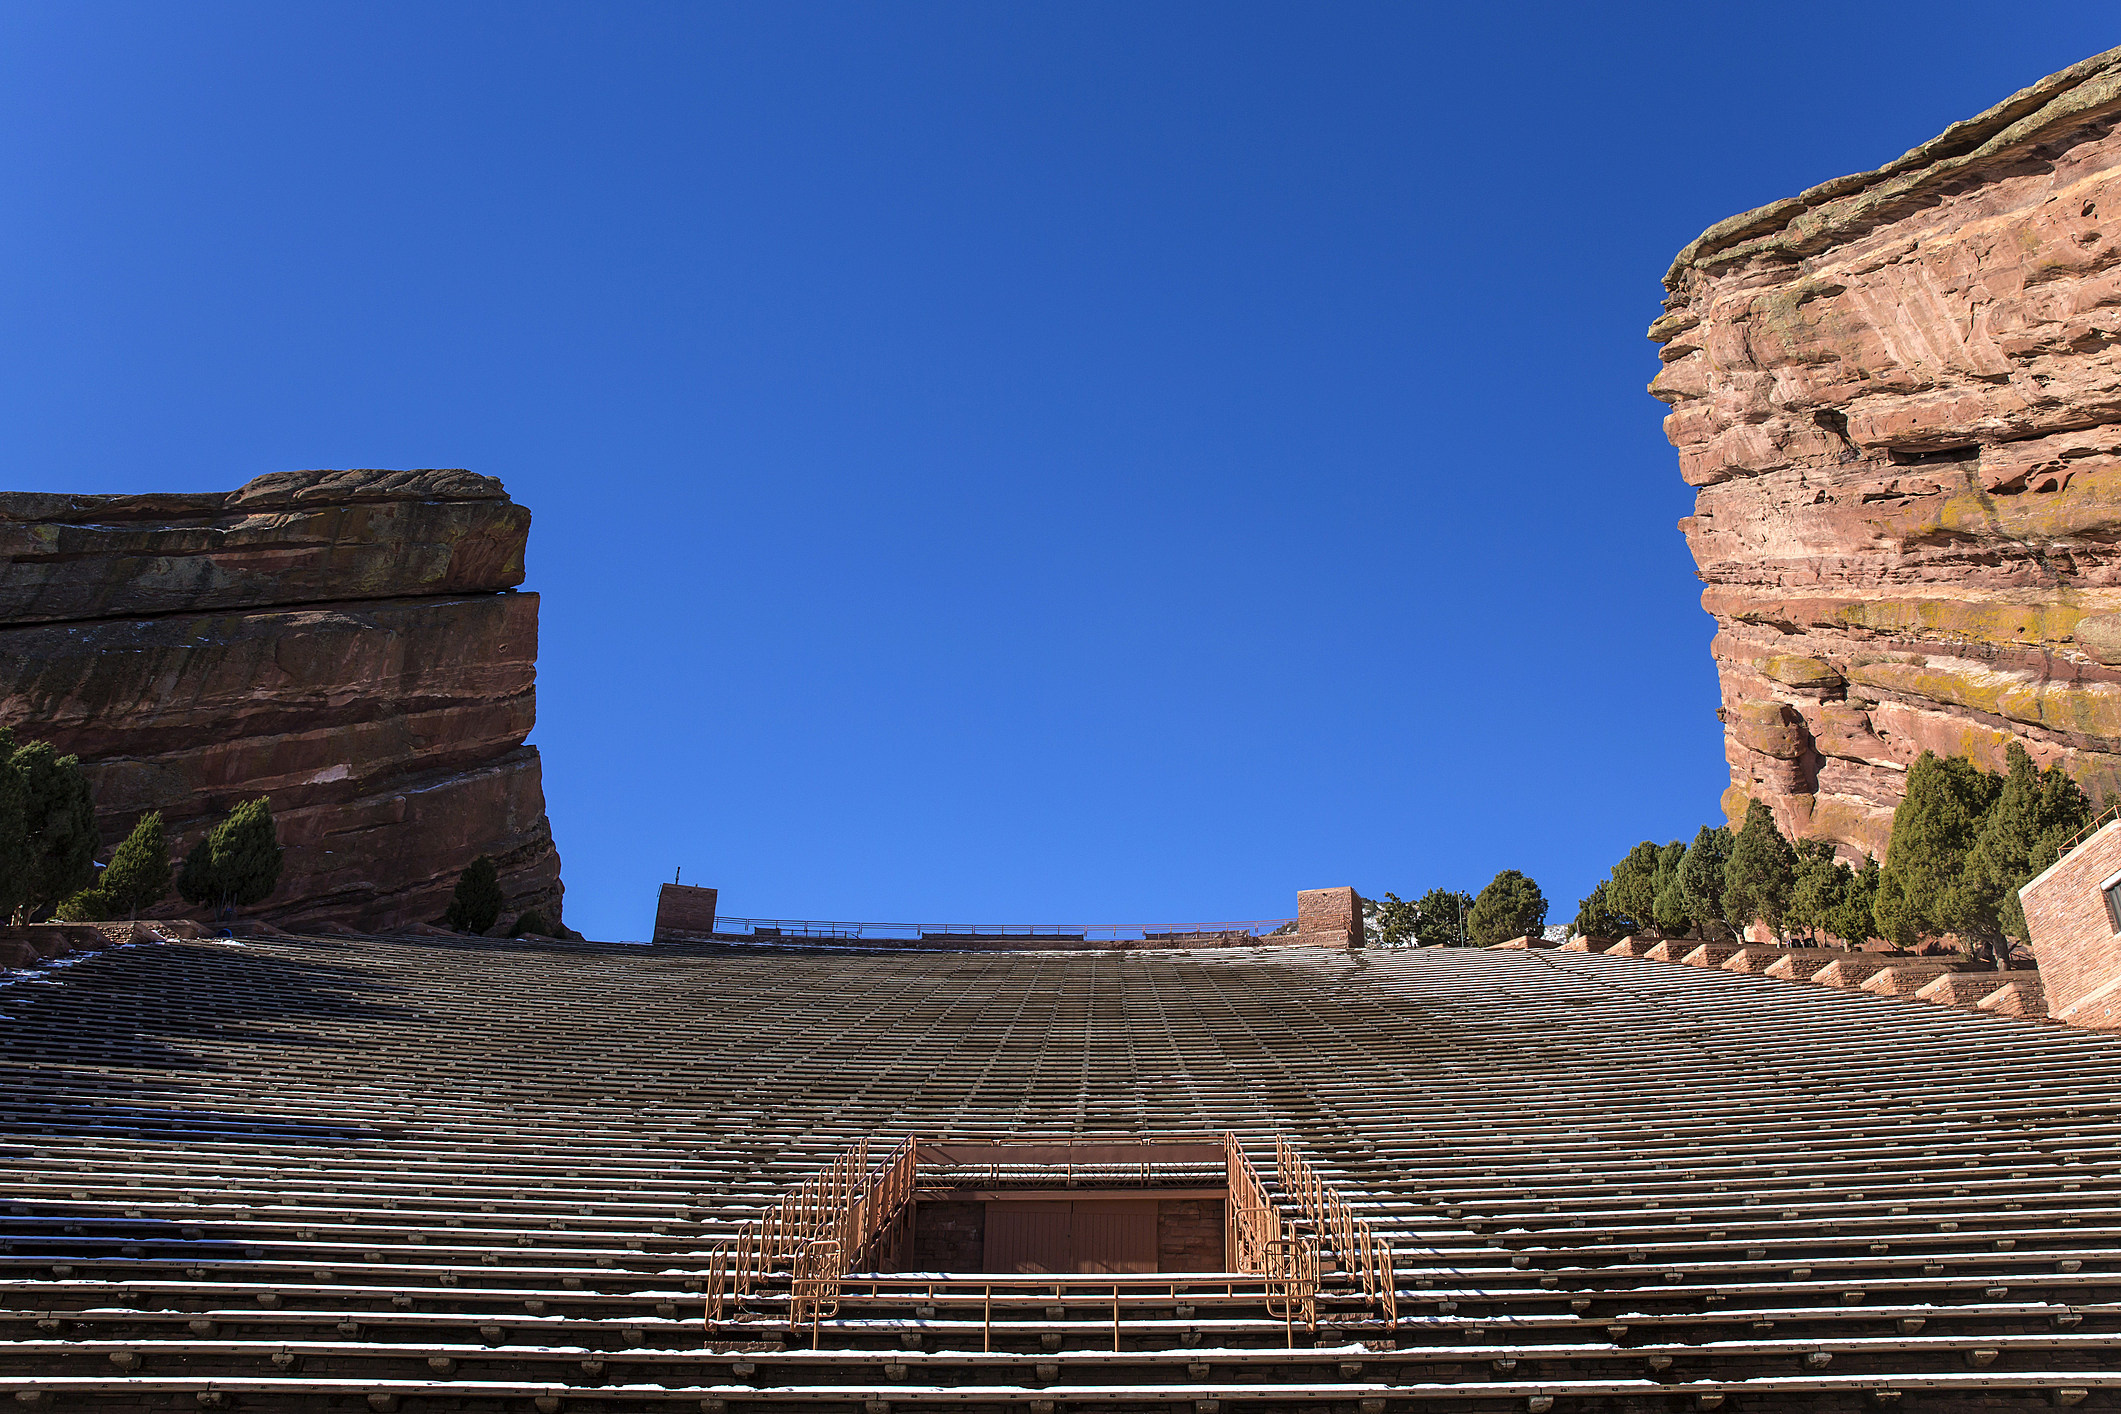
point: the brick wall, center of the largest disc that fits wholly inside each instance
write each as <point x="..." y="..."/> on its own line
<point x="1189" y="1235"/>
<point x="952" y="1237"/>
<point x="1328" y="918"/>
<point x="684" y="914"/>
<point x="948" y="1237"/>
<point x="2073" y="934"/>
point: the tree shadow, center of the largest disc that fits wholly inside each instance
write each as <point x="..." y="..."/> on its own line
<point x="101" y="1047"/>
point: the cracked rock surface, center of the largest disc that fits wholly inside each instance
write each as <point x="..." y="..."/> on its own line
<point x="349" y="643"/>
<point x="1899" y="398"/>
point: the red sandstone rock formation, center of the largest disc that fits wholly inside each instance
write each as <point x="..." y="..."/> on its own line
<point x="343" y="641"/>
<point x="1900" y="396"/>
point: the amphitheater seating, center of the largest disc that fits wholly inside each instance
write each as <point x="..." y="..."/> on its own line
<point x="417" y="1173"/>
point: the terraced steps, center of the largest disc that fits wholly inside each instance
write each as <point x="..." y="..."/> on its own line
<point x="293" y="1174"/>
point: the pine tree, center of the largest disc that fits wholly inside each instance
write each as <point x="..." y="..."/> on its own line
<point x="1390" y="919"/>
<point x="137" y="876"/>
<point x="237" y="863"/>
<point x="1852" y="917"/>
<point x="1934" y="828"/>
<point x="2023" y="833"/>
<point x="59" y="820"/>
<point x="1631" y="890"/>
<point x="86" y="906"/>
<point x="196" y="882"/>
<point x="1511" y="906"/>
<point x="1595" y="918"/>
<point x="247" y="853"/>
<point x="1669" y="911"/>
<point x="1760" y="873"/>
<point x="1820" y="883"/>
<point x="478" y="899"/>
<point x="1440" y="918"/>
<point x="14" y="832"/>
<point x="1701" y="879"/>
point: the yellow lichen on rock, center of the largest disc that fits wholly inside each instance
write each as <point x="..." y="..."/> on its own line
<point x="1899" y="399"/>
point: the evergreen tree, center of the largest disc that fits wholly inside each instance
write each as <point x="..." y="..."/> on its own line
<point x="14" y="833"/>
<point x="196" y="881"/>
<point x="1391" y="920"/>
<point x="533" y="922"/>
<point x="1701" y="879"/>
<point x="1851" y="918"/>
<point x="86" y="906"/>
<point x="137" y="876"/>
<point x="1440" y="918"/>
<point x="1920" y="890"/>
<point x="1760" y="873"/>
<point x="1821" y="882"/>
<point x="1669" y="911"/>
<point x="237" y="863"/>
<point x="1631" y="890"/>
<point x="59" y="821"/>
<point x="478" y="899"/>
<point x="1595" y="918"/>
<point x="1511" y="906"/>
<point x="2023" y="833"/>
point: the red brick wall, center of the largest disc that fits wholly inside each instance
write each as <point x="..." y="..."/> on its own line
<point x="948" y="1237"/>
<point x="2073" y="935"/>
<point x="952" y="1237"/>
<point x="684" y="913"/>
<point x="1328" y="918"/>
<point x="1189" y="1235"/>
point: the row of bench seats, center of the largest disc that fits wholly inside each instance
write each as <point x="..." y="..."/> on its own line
<point x="424" y="1173"/>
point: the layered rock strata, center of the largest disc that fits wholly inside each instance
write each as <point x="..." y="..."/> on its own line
<point x="348" y="643"/>
<point x="1899" y="395"/>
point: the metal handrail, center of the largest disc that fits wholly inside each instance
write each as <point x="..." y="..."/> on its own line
<point x="1356" y="1242"/>
<point x="2099" y="822"/>
<point x="1254" y="1220"/>
<point x="815" y="1290"/>
<point x="1292" y="1282"/>
<point x="1136" y="1289"/>
<point x="844" y="1207"/>
<point x="841" y="931"/>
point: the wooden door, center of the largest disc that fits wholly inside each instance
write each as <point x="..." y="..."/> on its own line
<point x="1114" y="1235"/>
<point x="1028" y="1237"/>
<point x="1110" y="1235"/>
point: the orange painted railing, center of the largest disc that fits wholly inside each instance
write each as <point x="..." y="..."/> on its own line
<point x="1263" y="1240"/>
<point x="1362" y="1251"/>
<point x="820" y="1228"/>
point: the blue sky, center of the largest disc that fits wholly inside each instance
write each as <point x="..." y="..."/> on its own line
<point x="991" y="462"/>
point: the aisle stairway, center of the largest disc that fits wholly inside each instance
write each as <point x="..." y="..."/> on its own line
<point x="420" y="1174"/>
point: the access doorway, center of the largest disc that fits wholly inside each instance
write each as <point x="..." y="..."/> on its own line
<point x="1093" y="1235"/>
<point x="1069" y="1209"/>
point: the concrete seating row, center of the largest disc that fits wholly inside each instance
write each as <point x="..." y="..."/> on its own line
<point x="338" y="1173"/>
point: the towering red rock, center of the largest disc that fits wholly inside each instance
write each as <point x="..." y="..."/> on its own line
<point x="1900" y="396"/>
<point x="349" y="643"/>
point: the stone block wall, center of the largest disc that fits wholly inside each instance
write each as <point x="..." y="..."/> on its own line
<point x="684" y="913"/>
<point x="2074" y="938"/>
<point x="952" y="1236"/>
<point x="1328" y="918"/>
<point x="948" y="1237"/>
<point x="1189" y="1235"/>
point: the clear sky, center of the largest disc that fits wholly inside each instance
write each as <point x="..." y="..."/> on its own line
<point x="991" y="462"/>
